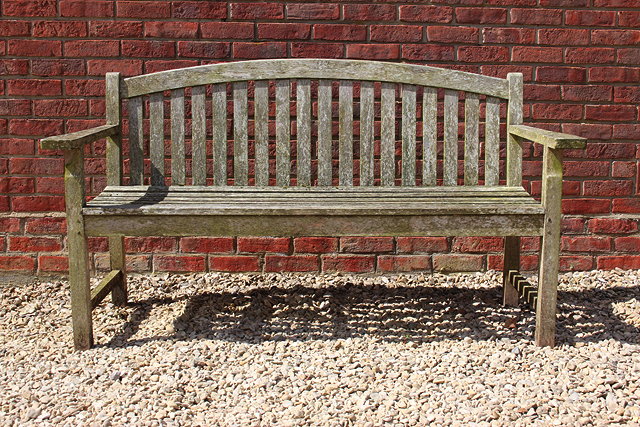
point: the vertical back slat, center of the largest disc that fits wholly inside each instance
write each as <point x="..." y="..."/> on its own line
<point x="429" y="136"/>
<point x="514" y="117"/>
<point x="303" y="123"/>
<point x="366" y="133"/>
<point x="261" y="117"/>
<point x="471" y="140"/>
<point x="136" y="137"/>
<point x="219" y="104"/>
<point x="240" y="135"/>
<point x="387" y="134"/>
<point x="198" y="136"/>
<point x="156" y="140"/>
<point x="324" y="133"/>
<point x="408" y="135"/>
<point x="492" y="142"/>
<point x="114" y="116"/>
<point x="177" y="137"/>
<point x="450" y="173"/>
<point x="345" y="159"/>
<point x="283" y="133"/>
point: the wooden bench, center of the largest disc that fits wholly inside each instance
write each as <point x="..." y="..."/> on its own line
<point x="232" y="164"/>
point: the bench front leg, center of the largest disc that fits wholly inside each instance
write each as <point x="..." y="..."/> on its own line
<point x="550" y="255"/>
<point x="78" y="250"/>
<point x="510" y="294"/>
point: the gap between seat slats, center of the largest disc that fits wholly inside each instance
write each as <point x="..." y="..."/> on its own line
<point x="303" y="100"/>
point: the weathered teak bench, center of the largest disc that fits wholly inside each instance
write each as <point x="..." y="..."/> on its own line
<point x="391" y="174"/>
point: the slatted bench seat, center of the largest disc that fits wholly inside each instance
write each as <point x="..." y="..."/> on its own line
<point x="363" y="148"/>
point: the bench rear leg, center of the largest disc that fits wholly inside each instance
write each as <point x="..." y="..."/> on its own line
<point x="117" y="259"/>
<point x="511" y="262"/>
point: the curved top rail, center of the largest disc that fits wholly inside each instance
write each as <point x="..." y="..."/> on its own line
<point x="333" y="69"/>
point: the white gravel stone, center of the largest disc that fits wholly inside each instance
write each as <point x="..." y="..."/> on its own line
<point x="281" y="349"/>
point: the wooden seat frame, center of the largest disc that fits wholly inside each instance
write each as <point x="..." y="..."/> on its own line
<point x="377" y="206"/>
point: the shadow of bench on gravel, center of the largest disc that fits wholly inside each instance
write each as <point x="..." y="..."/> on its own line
<point x="393" y="314"/>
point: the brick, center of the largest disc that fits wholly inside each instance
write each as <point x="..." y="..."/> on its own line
<point x="631" y="206"/>
<point x="529" y="244"/>
<point x="614" y="74"/>
<point x="234" y="263"/>
<point x="615" y="37"/>
<point x="34" y="87"/>
<point x="424" y="52"/>
<point x="84" y="87"/>
<point x="450" y="263"/>
<point x="135" y="245"/>
<point x="46" y="225"/>
<point x="16" y="146"/>
<point x="37" y="203"/>
<point x="14" y="66"/>
<point x="317" y="50"/>
<point x="586" y="93"/>
<point x="179" y="263"/>
<point x="34" y="47"/>
<point x="166" y="29"/>
<point x="396" y="33"/>
<point x="590" y="18"/>
<point x="426" y="14"/>
<point x="297" y="263"/>
<point x="557" y="111"/>
<point x="98" y="244"/>
<point x="127" y="67"/>
<point x="59" y="107"/>
<point x="259" y="50"/>
<point x="373" y="51"/>
<point x="59" y="29"/>
<point x="16" y="185"/>
<point x="620" y="169"/>
<point x="590" y="130"/>
<point x="510" y="35"/>
<point x="229" y="30"/>
<point x="369" y="12"/>
<point x="57" y="67"/>
<point x="34" y="244"/>
<point x="589" y="55"/>
<point x="155" y="66"/>
<point x="52" y="263"/>
<point x="477" y="244"/>
<point x="366" y="244"/>
<point x="483" y="54"/>
<point x="561" y="74"/>
<point x="626" y="131"/>
<point x="17" y="263"/>
<point x="339" y="32"/>
<point x="261" y="10"/>
<point x="315" y="245"/>
<point x="263" y="244"/>
<point x="453" y="34"/>
<point x="82" y="8"/>
<point x="199" y="9"/>
<point x="585" y="244"/>
<point x="562" y="37"/>
<point x="404" y="263"/>
<point x="624" y="262"/>
<point x="348" y="263"/>
<point x="564" y="3"/>
<point x="627" y="244"/>
<point x="628" y="18"/>
<point x="15" y="107"/>
<point x="4" y="203"/>
<point x="10" y="225"/>
<point x="35" y="127"/>
<point x="536" y="92"/>
<point x="29" y="8"/>
<point x="576" y="263"/>
<point x="626" y="94"/>
<point x="536" y="17"/>
<point x="617" y="113"/>
<point x="586" y="168"/>
<point x="608" y="188"/>
<point x="148" y="49"/>
<point x="206" y="244"/>
<point x="421" y="244"/>
<point x="198" y="49"/>
<point x="84" y="48"/>
<point x="537" y="54"/>
<point x="315" y="11"/>
<point x="133" y="263"/>
<point x="483" y="15"/>
<point x="629" y="56"/>
<point x="585" y="206"/>
<point x="14" y="28"/>
<point x="143" y="9"/>
<point x="116" y="29"/>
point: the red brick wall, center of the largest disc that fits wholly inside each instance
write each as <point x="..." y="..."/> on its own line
<point x="580" y="59"/>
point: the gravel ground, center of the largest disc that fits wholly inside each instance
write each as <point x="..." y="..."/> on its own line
<point x="216" y="349"/>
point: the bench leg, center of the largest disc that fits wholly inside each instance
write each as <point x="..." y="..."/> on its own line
<point x="117" y="260"/>
<point x="511" y="262"/>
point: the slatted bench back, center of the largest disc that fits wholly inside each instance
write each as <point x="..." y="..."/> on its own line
<point x="276" y="122"/>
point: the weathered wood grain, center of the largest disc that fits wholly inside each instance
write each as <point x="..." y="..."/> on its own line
<point x="240" y="134"/>
<point x="345" y="132"/>
<point x="156" y="138"/>
<point x="366" y="133"/>
<point x="177" y="137"/>
<point x="219" y="123"/>
<point x="199" y="135"/>
<point x="492" y="142"/>
<point x="324" y="133"/>
<point x="514" y="117"/>
<point x="408" y="135"/>
<point x="511" y="262"/>
<point x="114" y="117"/>
<point x="261" y="117"/>
<point x="117" y="259"/>
<point x="548" y="138"/>
<point x="136" y="139"/>
<point x="471" y="138"/>
<point x="106" y="285"/>
<point x="303" y="124"/>
<point x="283" y="133"/>
<point x="450" y="169"/>
<point x="429" y="136"/>
<point x="75" y="140"/>
<point x="387" y="134"/>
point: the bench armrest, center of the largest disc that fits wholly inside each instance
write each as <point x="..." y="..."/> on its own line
<point x="72" y="141"/>
<point x="548" y="138"/>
